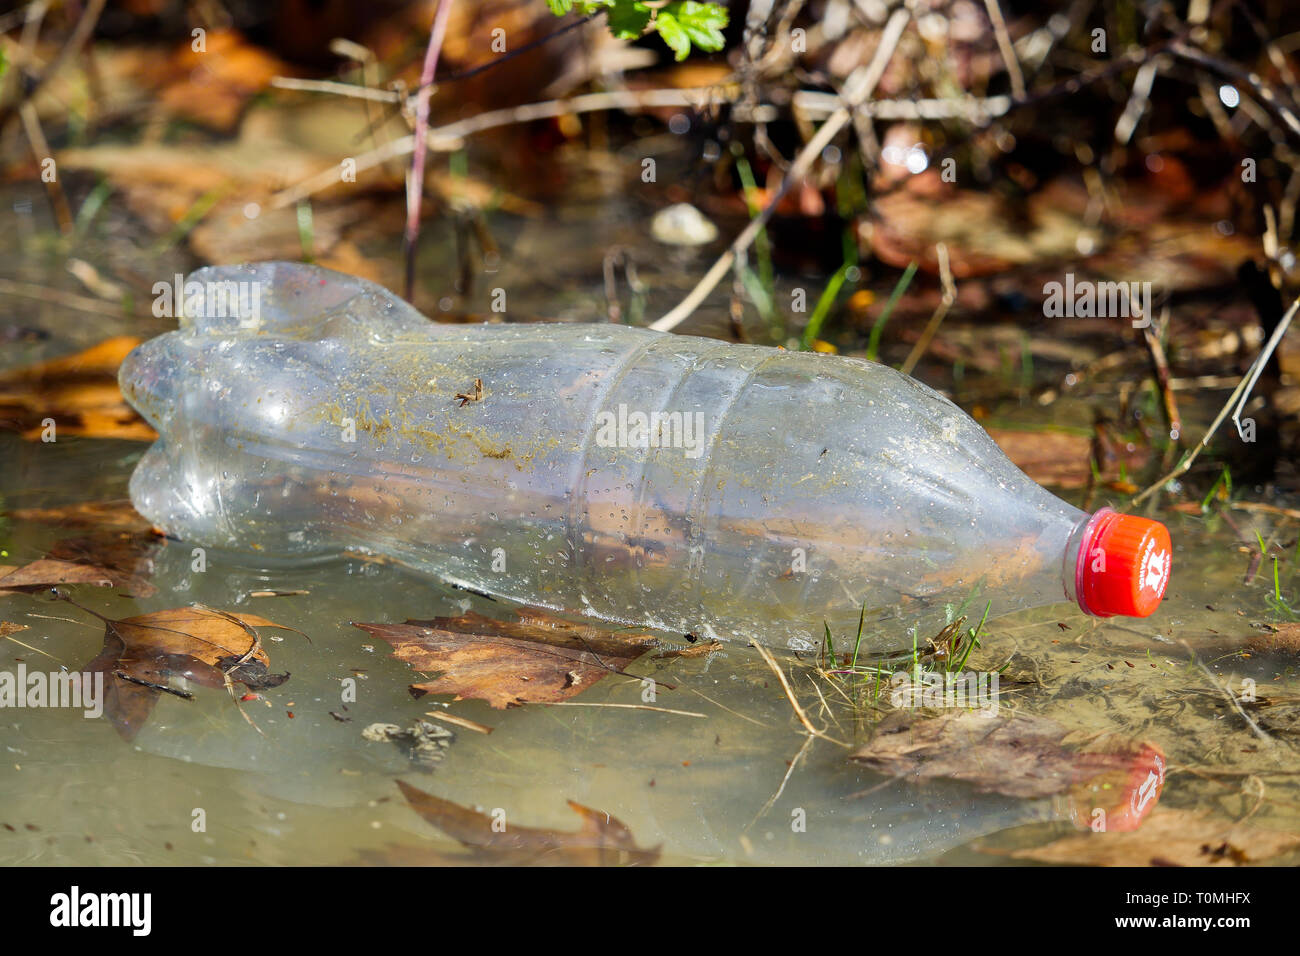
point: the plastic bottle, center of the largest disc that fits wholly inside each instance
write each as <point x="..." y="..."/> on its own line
<point x="303" y="412"/>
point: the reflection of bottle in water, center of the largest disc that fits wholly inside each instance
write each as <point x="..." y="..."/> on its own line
<point x="894" y="821"/>
<point x="639" y="477"/>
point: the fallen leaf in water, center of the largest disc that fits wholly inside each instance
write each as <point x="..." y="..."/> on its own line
<point x="602" y="840"/>
<point x="1114" y="780"/>
<point x="539" y="658"/>
<point x="126" y="557"/>
<point x="78" y="392"/>
<point x="147" y="655"/>
<point x="1169" y="837"/>
<point x="47" y="572"/>
<point x="97" y="515"/>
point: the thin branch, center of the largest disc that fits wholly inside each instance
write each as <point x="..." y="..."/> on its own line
<point x="336" y="88"/>
<point x="1005" y="47"/>
<point x="415" y="184"/>
<point x="789" y="694"/>
<point x="945" y="303"/>
<point x="1238" y="399"/>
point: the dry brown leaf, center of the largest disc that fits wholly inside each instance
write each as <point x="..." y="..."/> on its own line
<point x="144" y="655"/>
<point x="96" y="515"/>
<point x="602" y="840"/>
<point x="539" y="658"/>
<point x="48" y="572"/>
<point x="126" y="557"/>
<point x="1169" y="837"/>
<point x="79" y="392"/>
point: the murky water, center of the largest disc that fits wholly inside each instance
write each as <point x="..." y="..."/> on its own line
<point x="710" y="782"/>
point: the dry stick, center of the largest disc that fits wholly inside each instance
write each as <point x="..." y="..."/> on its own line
<point x="734" y="713"/>
<point x="794" y="701"/>
<point x="1238" y="398"/>
<point x="34" y="650"/>
<point x="945" y="303"/>
<point x="41" y="152"/>
<point x="789" y="771"/>
<point x="337" y="88"/>
<point x="1005" y="47"/>
<point x="1137" y="101"/>
<point x="1160" y="364"/>
<point x="657" y="710"/>
<point x="415" y="185"/>
<point x="855" y="93"/>
<point x="1232" y="699"/>
<point x="465" y="722"/>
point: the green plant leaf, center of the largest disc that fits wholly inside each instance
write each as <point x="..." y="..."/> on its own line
<point x="674" y="34"/>
<point x="679" y="23"/>
<point x="627" y="21"/>
<point x="703" y="22"/>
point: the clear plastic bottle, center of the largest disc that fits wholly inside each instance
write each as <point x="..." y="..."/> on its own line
<point x="304" y="412"/>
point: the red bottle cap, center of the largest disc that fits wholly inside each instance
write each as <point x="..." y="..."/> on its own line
<point x="1117" y="798"/>
<point x="1123" y="565"/>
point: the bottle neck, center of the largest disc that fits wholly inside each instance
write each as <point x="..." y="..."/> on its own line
<point x="1077" y="549"/>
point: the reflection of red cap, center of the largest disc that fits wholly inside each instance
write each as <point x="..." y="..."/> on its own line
<point x="1124" y="797"/>
<point x="1123" y="565"/>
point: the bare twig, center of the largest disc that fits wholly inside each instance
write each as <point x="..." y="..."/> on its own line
<point x="415" y="184"/>
<point x="794" y="701"/>
<point x="657" y="710"/>
<point x="1137" y="102"/>
<point x="1231" y="697"/>
<point x="1005" y="47"/>
<point x="41" y="153"/>
<point x="789" y="772"/>
<point x="945" y="303"/>
<point x="1240" y="395"/>
<point x="336" y="88"/>
<point x="459" y="721"/>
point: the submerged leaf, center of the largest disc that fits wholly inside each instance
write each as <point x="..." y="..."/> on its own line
<point x="602" y="840"/>
<point x="539" y="658"/>
<point x="149" y="654"/>
<point x="47" y="572"/>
